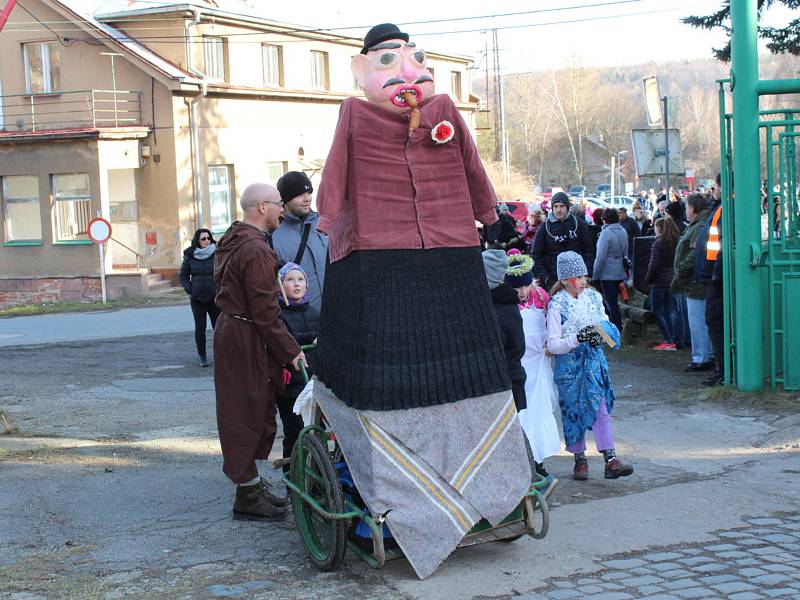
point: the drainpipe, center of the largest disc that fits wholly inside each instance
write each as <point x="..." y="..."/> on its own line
<point x="194" y="134"/>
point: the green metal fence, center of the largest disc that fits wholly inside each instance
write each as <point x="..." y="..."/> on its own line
<point x="760" y="239"/>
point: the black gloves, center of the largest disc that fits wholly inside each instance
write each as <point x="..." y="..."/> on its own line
<point x="590" y="336"/>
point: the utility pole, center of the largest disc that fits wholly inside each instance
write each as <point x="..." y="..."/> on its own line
<point x="666" y="146"/>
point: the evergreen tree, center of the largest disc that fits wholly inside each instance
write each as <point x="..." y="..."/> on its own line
<point x="785" y="40"/>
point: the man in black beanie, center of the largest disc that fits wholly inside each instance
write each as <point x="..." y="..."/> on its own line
<point x="297" y="239"/>
<point x="561" y="231"/>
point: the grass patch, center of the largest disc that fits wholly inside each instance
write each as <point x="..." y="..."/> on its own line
<point x="48" y="308"/>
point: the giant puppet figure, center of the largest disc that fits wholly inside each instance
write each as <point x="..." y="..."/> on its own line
<point x="411" y="372"/>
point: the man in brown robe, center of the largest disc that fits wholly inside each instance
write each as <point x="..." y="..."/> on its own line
<point x="251" y="346"/>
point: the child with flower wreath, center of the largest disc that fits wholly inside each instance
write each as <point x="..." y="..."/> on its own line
<point x="538" y="421"/>
<point x="581" y="373"/>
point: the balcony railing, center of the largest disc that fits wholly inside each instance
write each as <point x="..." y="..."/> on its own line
<point x="76" y="109"/>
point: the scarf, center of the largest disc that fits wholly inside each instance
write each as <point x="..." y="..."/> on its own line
<point x="204" y="253"/>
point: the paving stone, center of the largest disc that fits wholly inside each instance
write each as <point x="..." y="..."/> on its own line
<point x="764" y="550"/>
<point x="679" y="584"/>
<point x="748" y="562"/>
<point x="711" y="568"/>
<point x="639" y="571"/>
<point x="695" y="560"/>
<point x="646" y="580"/>
<point x="780" y="568"/>
<point x="765" y="521"/>
<point x="733" y="554"/>
<point x="649" y="589"/>
<point x="564" y="594"/>
<point x="661" y="556"/>
<point x="612" y="586"/>
<point x="611" y="596"/>
<point x="564" y="584"/>
<point x="779" y="538"/>
<point x="750" y="542"/>
<point x="745" y="596"/>
<point x="613" y="575"/>
<point x="695" y="592"/>
<point x="716" y="579"/>
<point x="751" y="572"/>
<point x="735" y="534"/>
<point x="780" y="592"/>
<point x="661" y="597"/>
<point x="691" y="551"/>
<point x="665" y="566"/>
<point x="628" y="563"/>
<point x="588" y="590"/>
<point x="588" y="581"/>
<point x="676" y="574"/>
<point x="771" y="579"/>
<point x="720" y="547"/>
<point x="778" y="558"/>
<point x="531" y="597"/>
<point x="734" y="586"/>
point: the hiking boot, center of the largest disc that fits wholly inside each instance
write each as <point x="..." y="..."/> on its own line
<point x="616" y="468"/>
<point x="581" y="470"/>
<point x="253" y="504"/>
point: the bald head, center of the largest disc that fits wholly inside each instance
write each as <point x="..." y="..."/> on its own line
<point x="258" y="192"/>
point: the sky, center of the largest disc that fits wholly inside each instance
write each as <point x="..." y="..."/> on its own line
<point x="548" y="33"/>
<point x="622" y="33"/>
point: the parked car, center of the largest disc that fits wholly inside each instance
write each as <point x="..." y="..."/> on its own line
<point x="604" y="189"/>
<point x="595" y="203"/>
<point x="548" y="192"/>
<point x="579" y="191"/>
<point x="620" y="201"/>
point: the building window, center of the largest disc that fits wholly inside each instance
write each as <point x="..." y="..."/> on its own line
<point x="220" y="193"/>
<point x="272" y="58"/>
<point x="319" y="70"/>
<point x="214" y="55"/>
<point x="23" y="221"/>
<point x="72" y="206"/>
<point x="42" y="70"/>
<point x="455" y="85"/>
<point x="276" y="169"/>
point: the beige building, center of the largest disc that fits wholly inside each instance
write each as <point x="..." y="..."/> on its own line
<point x="153" y="117"/>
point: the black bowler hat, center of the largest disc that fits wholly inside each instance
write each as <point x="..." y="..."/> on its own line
<point x="381" y="33"/>
<point x="292" y="184"/>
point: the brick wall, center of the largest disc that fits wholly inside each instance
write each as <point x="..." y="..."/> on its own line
<point x="21" y="292"/>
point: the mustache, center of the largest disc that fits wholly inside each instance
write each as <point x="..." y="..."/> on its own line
<point x="397" y="80"/>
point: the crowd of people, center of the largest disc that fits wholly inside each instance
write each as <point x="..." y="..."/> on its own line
<point x="683" y="285"/>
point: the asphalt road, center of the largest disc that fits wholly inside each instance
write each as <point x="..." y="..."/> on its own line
<point x="111" y="486"/>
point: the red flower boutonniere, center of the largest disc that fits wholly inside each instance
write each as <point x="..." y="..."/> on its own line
<point x="443" y="132"/>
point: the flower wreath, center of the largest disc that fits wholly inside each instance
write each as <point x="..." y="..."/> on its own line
<point x="519" y="264"/>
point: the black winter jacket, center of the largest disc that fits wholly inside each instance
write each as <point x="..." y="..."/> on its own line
<point x="660" y="270"/>
<point x="505" y="301"/>
<point x="303" y="323"/>
<point x="197" y="277"/>
<point x="554" y="237"/>
<point x="632" y="229"/>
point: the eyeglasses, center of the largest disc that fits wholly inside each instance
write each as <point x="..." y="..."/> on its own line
<point x="204" y="238"/>
<point x="275" y="202"/>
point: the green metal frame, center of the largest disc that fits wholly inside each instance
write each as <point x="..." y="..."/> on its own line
<point x="760" y="274"/>
<point x="524" y="513"/>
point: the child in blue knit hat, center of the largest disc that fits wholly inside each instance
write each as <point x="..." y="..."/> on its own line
<point x="581" y="373"/>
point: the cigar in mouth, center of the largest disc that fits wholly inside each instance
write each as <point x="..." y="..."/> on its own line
<point x="413" y="120"/>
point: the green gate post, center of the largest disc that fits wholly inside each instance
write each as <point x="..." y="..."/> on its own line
<point x="748" y="320"/>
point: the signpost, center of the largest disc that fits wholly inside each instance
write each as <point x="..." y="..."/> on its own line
<point x="99" y="231"/>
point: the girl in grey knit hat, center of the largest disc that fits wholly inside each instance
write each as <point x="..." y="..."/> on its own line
<point x="586" y="396"/>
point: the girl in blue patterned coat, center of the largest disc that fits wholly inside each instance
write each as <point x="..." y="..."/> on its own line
<point x="586" y="396"/>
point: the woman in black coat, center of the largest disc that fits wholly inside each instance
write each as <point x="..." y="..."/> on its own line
<point x="197" y="278"/>
<point x="658" y="278"/>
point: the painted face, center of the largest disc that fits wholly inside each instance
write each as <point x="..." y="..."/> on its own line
<point x="295" y="285"/>
<point x="576" y="285"/>
<point x="391" y="68"/>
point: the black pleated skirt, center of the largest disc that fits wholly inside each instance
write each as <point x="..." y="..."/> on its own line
<point x="409" y="328"/>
